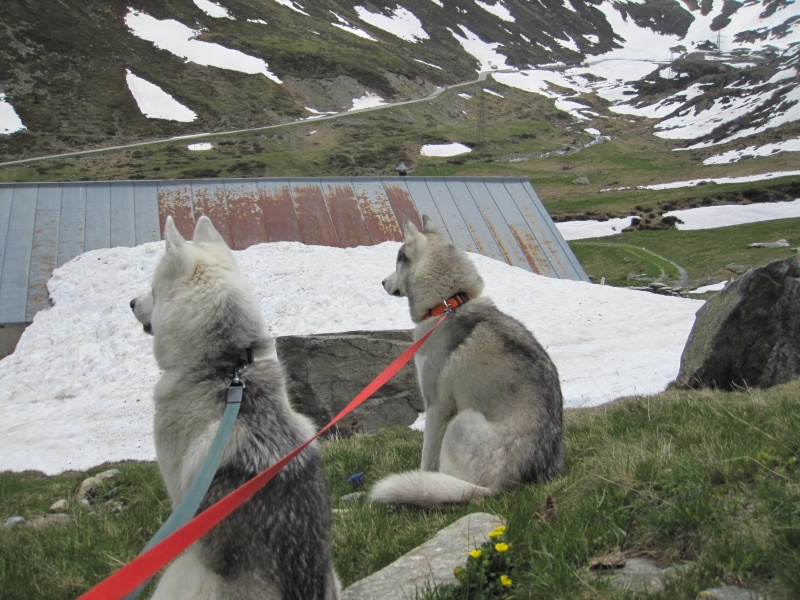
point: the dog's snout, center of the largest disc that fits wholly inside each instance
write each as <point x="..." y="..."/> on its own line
<point x="383" y="283"/>
<point x="133" y="303"/>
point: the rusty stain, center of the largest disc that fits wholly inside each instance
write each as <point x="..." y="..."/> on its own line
<point x="312" y="214"/>
<point x="378" y="216"/>
<point x="403" y="207"/>
<point x="528" y="247"/>
<point x="476" y="239"/>
<point x="346" y="216"/>
<point x="244" y="214"/>
<point x="176" y="201"/>
<point x="280" y="218"/>
<point x="503" y="250"/>
<point x="44" y="252"/>
<point x="209" y="200"/>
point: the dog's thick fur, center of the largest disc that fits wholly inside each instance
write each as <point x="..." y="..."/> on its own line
<point x="493" y="404"/>
<point x="203" y="315"/>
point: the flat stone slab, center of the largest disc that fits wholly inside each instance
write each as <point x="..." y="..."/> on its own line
<point x="729" y="592"/>
<point x="429" y="565"/>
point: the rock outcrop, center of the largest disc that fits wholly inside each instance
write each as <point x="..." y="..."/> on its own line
<point x="324" y="372"/>
<point x="749" y="333"/>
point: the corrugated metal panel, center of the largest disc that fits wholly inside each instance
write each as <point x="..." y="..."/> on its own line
<point x="244" y="213"/>
<point x="145" y="212"/>
<point x="44" y="248"/>
<point x="45" y="225"/>
<point x="71" y="229"/>
<point x="97" y="233"/>
<point x="17" y="257"/>
<point x="349" y="221"/>
<point x="312" y="213"/>
<point x="122" y="214"/>
<point x="280" y="221"/>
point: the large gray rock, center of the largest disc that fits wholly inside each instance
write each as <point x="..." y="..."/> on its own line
<point x="429" y="565"/>
<point x="749" y="333"/>
<point x="325" y="372"/>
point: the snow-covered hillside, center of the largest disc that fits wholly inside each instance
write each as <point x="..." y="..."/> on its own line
<point x="709" y="73"/>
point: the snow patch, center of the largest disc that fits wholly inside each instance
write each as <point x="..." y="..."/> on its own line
<point x="155" y="103"/>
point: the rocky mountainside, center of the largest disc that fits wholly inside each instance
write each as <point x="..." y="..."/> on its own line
<point x="72" y="73"/>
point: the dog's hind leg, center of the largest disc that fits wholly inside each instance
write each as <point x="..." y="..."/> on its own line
<point x="474" y="451"/>
<point x="188" y="578"/>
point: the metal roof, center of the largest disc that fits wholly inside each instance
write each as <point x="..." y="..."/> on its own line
<point x="44" y="225"/>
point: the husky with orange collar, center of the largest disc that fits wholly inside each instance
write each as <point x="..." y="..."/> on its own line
<point x="493" y="403"/>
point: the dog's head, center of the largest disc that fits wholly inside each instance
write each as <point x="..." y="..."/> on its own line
<point x="198" y="302"/>
<point x="170" y="267"/>
<point x="430" y="268"/>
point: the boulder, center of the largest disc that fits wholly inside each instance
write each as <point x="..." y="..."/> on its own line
<point x="325" y="372"/>
<point x="749" y="333"/>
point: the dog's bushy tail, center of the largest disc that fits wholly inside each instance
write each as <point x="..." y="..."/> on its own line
<point x="425" y="488"/>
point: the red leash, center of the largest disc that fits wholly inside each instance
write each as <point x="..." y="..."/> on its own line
<point x="147" y="564"/>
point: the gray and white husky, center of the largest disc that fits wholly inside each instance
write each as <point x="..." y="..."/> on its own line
<point x="203" y="315"/>
<point x="493" y="404"/>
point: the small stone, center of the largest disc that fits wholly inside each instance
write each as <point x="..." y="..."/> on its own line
<point x="59" y="507"/>
<point x="90" y="484"/>
<point x="729" y="592"/>
<point x="734" y="268"/>
<point x="350" y="498"/>
<point x="13" y="521"/>
<point x="778" y="244"/>
<point x="48" y="520"/>
<point x="611" y="560"/>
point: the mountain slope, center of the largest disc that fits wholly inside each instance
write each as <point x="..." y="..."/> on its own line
<point x="66" y="68"/>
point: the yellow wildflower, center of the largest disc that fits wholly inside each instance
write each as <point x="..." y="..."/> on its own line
<point x="501" y="529"/>
<point x="458" y="570"/>
<point x="475" y="553"/>
<point x="494" y="534"/>
<point x="505" y="580"/>
<point x="501" y="547"/>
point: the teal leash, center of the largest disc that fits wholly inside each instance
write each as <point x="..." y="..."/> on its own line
<point x="187" y="508"/>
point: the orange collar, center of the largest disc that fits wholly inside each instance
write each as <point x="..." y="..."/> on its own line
<point x="448" y="305"/>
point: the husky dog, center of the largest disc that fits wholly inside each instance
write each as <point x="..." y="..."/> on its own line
<point x="203" y="316"/>
<point x="493" y="404"/>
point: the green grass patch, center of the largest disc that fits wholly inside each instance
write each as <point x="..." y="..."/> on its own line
<point x="701" y="253"/>
<point x="706" y="480"/>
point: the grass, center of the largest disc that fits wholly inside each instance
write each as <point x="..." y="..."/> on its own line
<point x="701" y="253"/>
<point x="708" y="480"/>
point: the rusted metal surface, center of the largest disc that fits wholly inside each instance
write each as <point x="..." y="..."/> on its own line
<point x="402" y="205"/>
<point x="546" y="238"/>
<point x="244" y="213"/>
<point x="348" y="221"/>
<point x="208" y="198"/>
<point x="280" y="218"/>
<point x="45" y="225"/>
<point x="312" y="214"/>
<point x="378" y="214"/>
<point x="175" y="199"/>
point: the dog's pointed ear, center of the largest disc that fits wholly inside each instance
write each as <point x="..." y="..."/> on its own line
<point x="205" y="231"/>
<point x="172" y="236"/>
<point x="414" y="241"/>
<point x="428" y="226"/>
<point x="409" y="229"/>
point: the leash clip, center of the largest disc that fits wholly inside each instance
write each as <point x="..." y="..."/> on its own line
<point x="447" y="309"/>
<point x="236" y="385"/>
